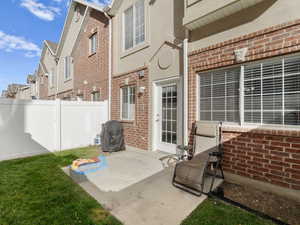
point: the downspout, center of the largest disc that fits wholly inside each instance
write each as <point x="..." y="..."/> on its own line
<point x="109" y="64"/>
<point x="185" y="110"/>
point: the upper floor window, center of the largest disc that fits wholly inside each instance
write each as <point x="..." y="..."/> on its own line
<point x="259" y="93"/>
<point x="93" y="43"/>
<point x="134" y="25"/>
<point x="51" y="78"/>
<point x="67" y="67"/>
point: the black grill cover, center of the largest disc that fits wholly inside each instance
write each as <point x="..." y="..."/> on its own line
<point x="112" y="138"/>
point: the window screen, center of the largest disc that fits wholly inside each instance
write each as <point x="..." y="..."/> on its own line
<point x="139" y="22"/>
<point x="128" y="23"/>
<point x="93" y="43"/>
<point x="219" y="95"/>
<point x="128" y="103"/>
<point x="272" y="92"/>
<point x="134" y="25"/>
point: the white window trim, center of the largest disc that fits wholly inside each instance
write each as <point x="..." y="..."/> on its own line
<point x="242" y="122"/>
<point x="141" y="44"/>
<point x="128" y="98"/>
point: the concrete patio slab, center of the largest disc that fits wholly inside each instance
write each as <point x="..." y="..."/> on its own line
<point x="152" y="200"/>
<point x="126" y="168"/>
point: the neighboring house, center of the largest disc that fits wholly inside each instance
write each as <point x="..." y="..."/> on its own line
<point x="81" y="56"/>
<point x="46" y="72"/>
<point x="24" y="93"/>
<point x="147" y="72"/>
<point x="12" y="90"/>
<point x="244" y="70"/>
<point x="91" y="57"/>
<point x="29" y="91"/>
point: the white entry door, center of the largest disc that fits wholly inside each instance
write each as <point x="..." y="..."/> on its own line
<point x="166" y="117"/>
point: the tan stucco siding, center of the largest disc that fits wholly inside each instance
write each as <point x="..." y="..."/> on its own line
<point x="50" y="64"/>
<point x="261" y="16"/>
<point x="160" y="26"/>
<point x="198" y="8"/>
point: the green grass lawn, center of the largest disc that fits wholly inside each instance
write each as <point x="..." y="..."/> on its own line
<point x="213" y="212"/>
<point x="36" y="191"/>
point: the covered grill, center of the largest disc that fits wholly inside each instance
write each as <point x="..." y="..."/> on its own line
<point x="112" y="137"/>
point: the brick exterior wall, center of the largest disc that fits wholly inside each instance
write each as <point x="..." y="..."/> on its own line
<point x="136" y="132"/>
<point x="92" y="68"/>
<point x="273" y="156"/>
<point x="265" y="155"/>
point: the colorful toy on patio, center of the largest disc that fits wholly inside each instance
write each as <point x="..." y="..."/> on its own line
<point x="85" y="166"/>
<point x="80" y="162"/>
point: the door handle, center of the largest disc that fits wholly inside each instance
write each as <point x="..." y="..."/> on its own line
<point x="157" y="117"/>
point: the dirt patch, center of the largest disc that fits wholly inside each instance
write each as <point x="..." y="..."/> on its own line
<point x="281" y="208"/>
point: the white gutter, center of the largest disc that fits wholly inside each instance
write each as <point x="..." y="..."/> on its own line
<point x="109" y="64"/>
<point x="185" y="89"/>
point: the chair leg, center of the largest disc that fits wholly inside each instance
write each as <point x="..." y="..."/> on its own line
<point x="222" y="172"/>
<point x="213" y="180"/>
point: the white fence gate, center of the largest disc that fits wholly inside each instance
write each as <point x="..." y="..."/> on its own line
<point x="34" y="127"/>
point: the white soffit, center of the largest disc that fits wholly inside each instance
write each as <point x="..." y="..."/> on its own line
<point x="222" y="13"/>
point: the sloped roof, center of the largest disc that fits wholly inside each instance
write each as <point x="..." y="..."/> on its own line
<point x="52" y="45"/>
<point x="69" y="19"/>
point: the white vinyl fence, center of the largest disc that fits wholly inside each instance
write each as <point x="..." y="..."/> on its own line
<point x="34" y="127"/>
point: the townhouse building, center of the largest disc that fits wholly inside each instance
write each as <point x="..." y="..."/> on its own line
<point x="165" y="64"/>
<point x="237" y="62"/>
<point x="46" y="70"/>
<point x="244" y="70"/>
<point x="29" y="91"/>
<point x="147" y="72"/>
<point x="76" y="68"/>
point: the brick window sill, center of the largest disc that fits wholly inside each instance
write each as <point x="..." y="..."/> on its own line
<point x="127" y="121"/>
<point x="278" y="131"/>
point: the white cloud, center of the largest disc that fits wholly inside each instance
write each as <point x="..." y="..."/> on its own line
<point x="100" y="2"/>
<point x="40" y="10"/>
<point x="10" y="43"/>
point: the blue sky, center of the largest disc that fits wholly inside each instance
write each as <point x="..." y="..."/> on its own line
<point x="24" y="25"/>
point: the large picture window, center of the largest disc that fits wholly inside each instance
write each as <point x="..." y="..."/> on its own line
<point x="128" y="103"/>
<point x="134" y="25"/>
<point x="269" y="93"/>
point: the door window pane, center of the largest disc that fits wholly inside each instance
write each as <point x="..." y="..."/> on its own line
<point x="169" y="114"/>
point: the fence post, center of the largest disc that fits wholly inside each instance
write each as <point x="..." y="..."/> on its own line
<point x="58" y="124"/>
